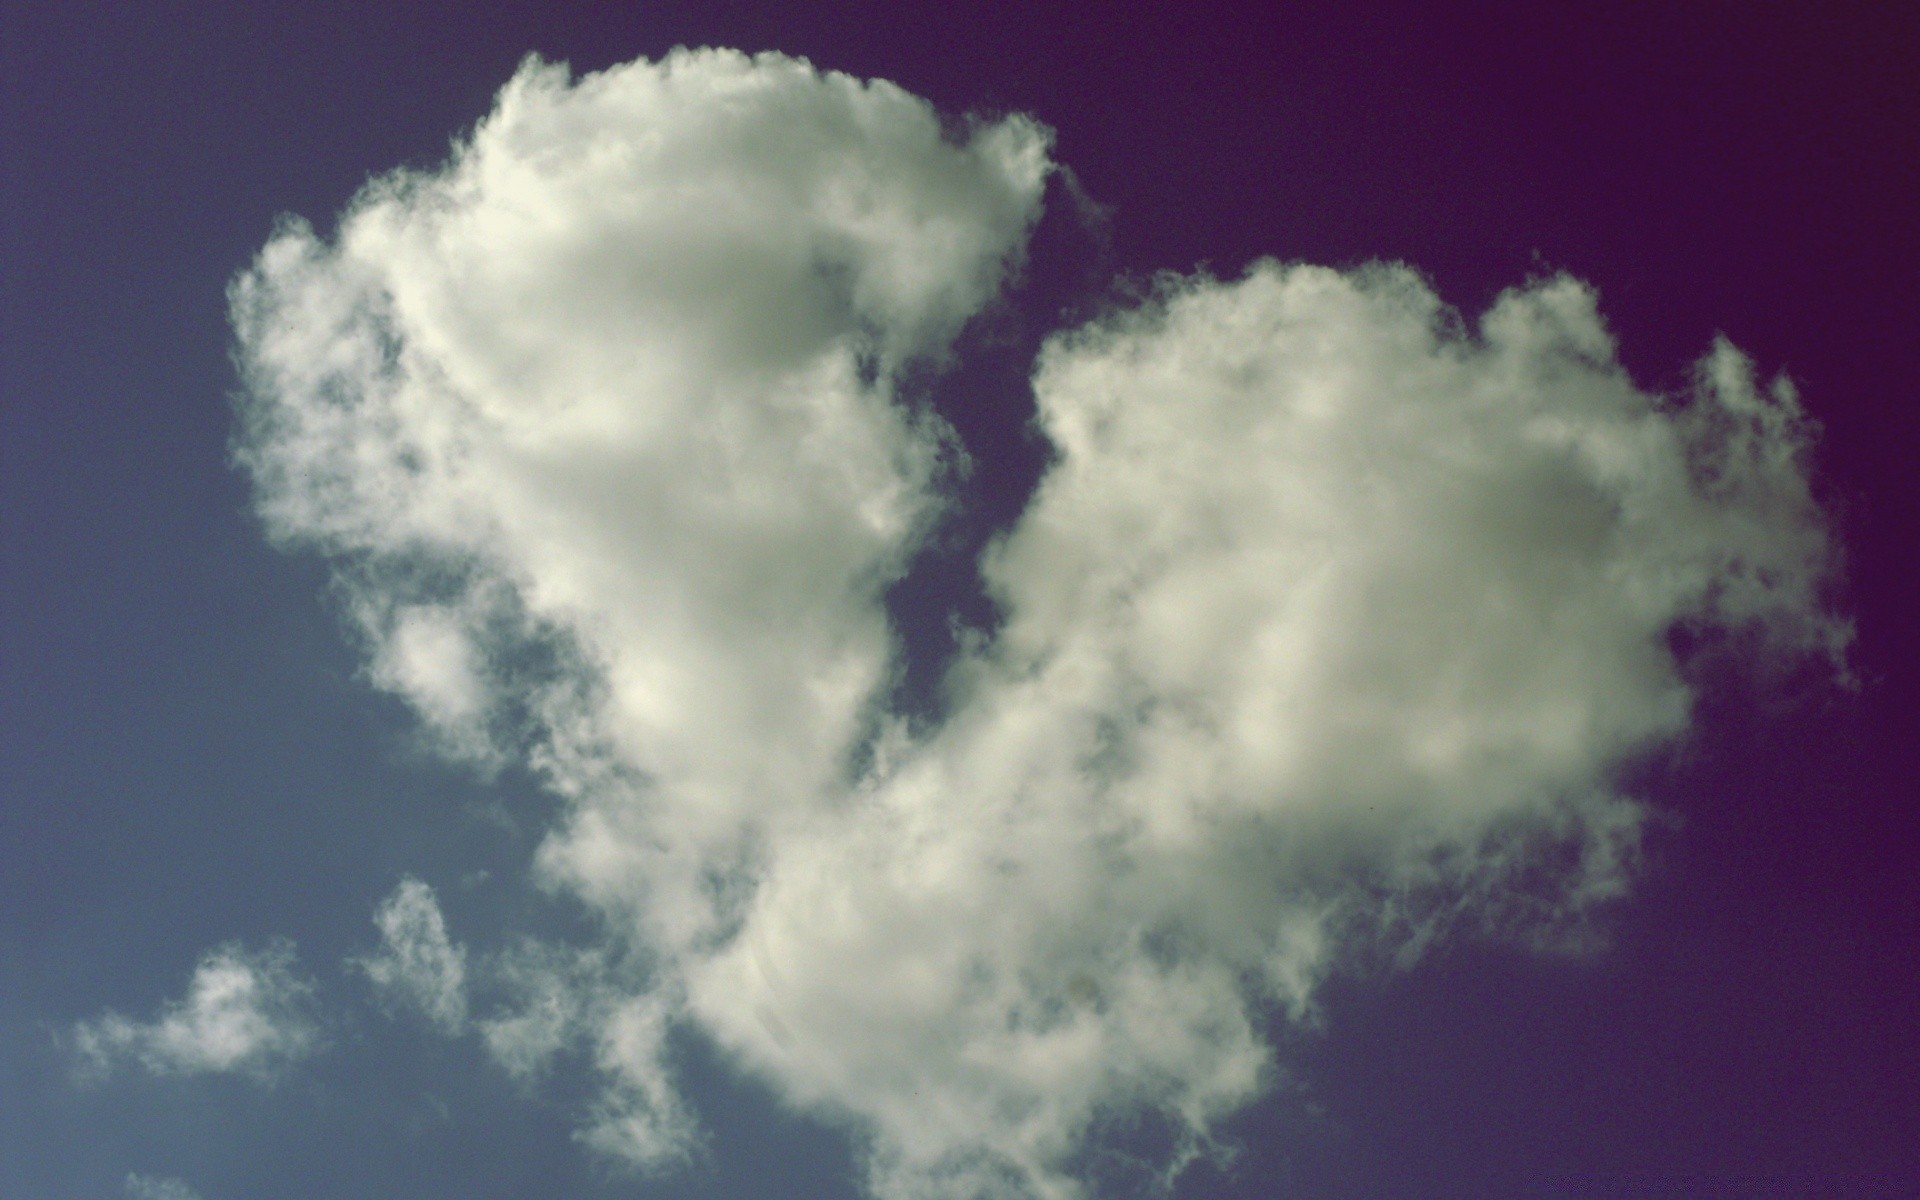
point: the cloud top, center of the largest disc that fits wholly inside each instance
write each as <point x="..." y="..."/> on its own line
<point x="245" y="1012"/>
<point x="1332" y="622"/>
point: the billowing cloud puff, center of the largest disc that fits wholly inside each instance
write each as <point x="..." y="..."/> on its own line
<point x="616" y="389"/>
<point x="601" y="422"/>
<point x="1330" y="623"/>
<point x="244" y="1012"/>
<point x="417" y="966"/>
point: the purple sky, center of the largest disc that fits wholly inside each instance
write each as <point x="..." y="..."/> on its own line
<point x="200" y="750"/>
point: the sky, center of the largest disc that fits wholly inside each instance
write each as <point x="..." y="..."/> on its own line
<point x="938" y="602"/>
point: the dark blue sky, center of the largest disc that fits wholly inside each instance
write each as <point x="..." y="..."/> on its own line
<point x="189" y="755"/>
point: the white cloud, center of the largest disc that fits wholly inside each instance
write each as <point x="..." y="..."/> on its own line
<point x="425" y="652"/>
<point x="244" y="1012"/>
<point x="1331" y="623"/>
<point x="149" y="1187"/>
<point x="552" y="997"/>
<point x="641" y="1117"/>
<point x="547" y="1000"/>
<point x="1323" y="621"/>
<point x="601" y="422"/>
<point x="617" y="388"/>
<point x="417" y="965"/>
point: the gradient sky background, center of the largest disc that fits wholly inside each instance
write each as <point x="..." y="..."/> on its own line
<point x="190" y="756"/>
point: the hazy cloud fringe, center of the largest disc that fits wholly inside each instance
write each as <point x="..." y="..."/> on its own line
<point x="417" y="966"/>
<point x="244" y="1012"/>
<point x="149" y="1187"/>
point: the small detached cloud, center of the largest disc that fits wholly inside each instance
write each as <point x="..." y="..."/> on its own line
<point x="149" y="1187"/>
<point x="1334" y="622"/>
<point x="417" y="966"/>
<point x="546" y="1000"/>
<point x="244" y="1013"/>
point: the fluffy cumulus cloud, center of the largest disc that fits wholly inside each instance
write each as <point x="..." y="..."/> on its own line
<point x="601" y="421"/>
<point x="1332" y="623"/>
<point x="616" y="391"/>
<point x="245" y="1012"/>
